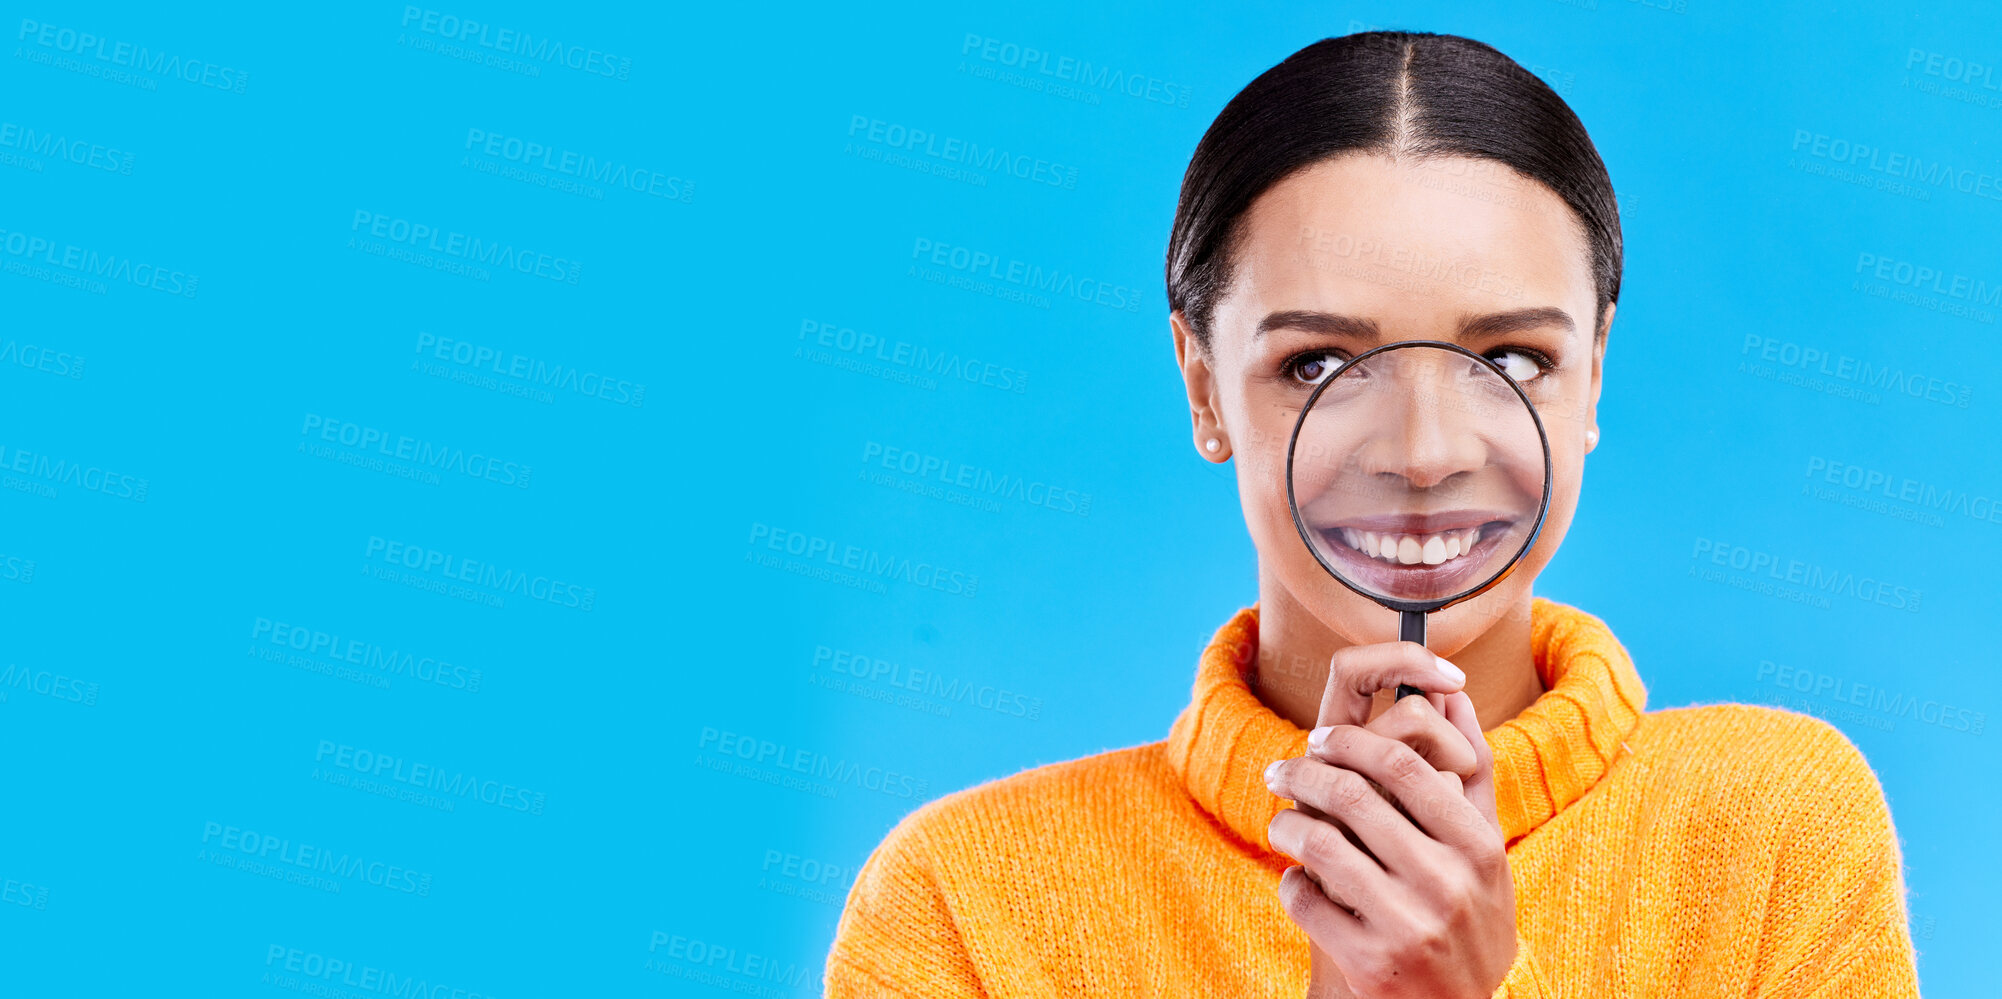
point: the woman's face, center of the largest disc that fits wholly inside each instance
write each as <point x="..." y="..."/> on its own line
<point x="1426" y="476"/>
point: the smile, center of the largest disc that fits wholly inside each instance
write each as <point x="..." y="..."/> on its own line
<point x="1411" y="549"/>
<point x="1417" y="556"/>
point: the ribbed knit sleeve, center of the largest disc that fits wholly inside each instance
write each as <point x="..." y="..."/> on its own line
<point x="1836" y="923"/>
<point x="897" y="936"/>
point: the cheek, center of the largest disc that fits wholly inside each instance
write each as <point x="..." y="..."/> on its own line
<point x="1458" y="625"/>
<point x="1261" y="490"/>
<point x="1260" y="456"/>
<point x="1283" y="555"/>
<point x="1565" y="408"/>
<point x="1567" y="467"/>
<point x="1526" y="474"/>
<point x="1327" y="469"/>
<point x="1567" y="478"/>
<point x="1564" y="422"/>
<point x="1260" y="431"/>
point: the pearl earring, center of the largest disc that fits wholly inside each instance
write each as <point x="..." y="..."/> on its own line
<point x="1212" y="445"/>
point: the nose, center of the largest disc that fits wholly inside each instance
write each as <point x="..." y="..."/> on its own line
<point x="1438" y="440"/>
<point x="1425" y="430"/>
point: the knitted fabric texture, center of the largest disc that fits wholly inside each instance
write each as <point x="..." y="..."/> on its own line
<point x="1705" y="851"/>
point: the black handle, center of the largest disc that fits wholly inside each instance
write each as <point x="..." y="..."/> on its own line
<point x="1410" y="628"/>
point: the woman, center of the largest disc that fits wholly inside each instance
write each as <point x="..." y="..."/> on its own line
<point x="1525" y="829"/>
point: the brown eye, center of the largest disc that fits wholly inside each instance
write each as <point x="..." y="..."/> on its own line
<point x="1311" y="368"/>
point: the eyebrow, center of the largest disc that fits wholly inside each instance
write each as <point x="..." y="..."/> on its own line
<point x="1490" y="324"/>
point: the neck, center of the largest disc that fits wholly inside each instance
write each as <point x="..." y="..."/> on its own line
<point x="1294" y="649"/>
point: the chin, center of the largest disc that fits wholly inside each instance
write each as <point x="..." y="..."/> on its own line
<point x="1358" y="619"/>
<point x="1362" y="621"/>
<point x="1458" y="626"/>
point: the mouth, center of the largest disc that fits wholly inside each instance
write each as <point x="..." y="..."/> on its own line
<point x="1417" y="556"/>
<point x="1435" y="548"/>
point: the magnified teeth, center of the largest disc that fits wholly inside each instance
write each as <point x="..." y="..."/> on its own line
<point x="1413" y="549"/>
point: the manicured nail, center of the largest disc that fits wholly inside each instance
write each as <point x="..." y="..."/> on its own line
<point x="1451" y="670"/>
<point x="1319" y="736"/>
<point x="1272" y="770"/>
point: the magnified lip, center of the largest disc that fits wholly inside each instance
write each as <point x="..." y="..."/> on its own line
<point x="1417" y="555"/>
<point x="1423" y="523"/>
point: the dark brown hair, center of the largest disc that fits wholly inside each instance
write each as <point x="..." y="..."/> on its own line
<point x="1396" y="92"/>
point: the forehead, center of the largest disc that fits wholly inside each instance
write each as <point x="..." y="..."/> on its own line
<point x="1417" y="240"/>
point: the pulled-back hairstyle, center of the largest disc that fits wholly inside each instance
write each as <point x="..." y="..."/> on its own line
<point x="1404" y="94"/>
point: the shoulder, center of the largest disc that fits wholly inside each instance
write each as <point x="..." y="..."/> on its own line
<point x="986" y="859"/>
<point x="1746" y="799"/>
<point x="1026" y="817"/>
<point x="1791" y="772"/>
<point x="1764" y="799"/>
<point x="1038" y="797"/>
<point x="1753" y="737"/>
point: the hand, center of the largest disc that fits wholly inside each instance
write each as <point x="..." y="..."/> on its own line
<point x="1405" y="888"/>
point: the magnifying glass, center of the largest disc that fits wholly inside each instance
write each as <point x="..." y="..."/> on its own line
<point x="1419" y="475"/>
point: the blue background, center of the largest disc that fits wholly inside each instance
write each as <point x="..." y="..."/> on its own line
<point x="150" y="722"/>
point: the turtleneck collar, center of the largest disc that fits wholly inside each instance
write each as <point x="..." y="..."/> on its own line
<point x="1545" y="758"/>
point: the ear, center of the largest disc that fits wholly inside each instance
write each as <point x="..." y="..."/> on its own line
<point x="1200" y="380"/>
<point x="1598" y="367"/>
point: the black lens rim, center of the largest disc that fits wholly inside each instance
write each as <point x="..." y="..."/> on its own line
<point x="1419" y="606"/>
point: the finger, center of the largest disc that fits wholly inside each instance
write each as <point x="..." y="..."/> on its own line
<point x="1314" y="813"/>
<point x="1386" y="698"/>
<point x="1434" y="802"/>
<point x="1480" y="786"/>
<point x="1345" y="797"/>
<point x="1309" y="906"/>
<point x="1416" y="723"/>
<point x="1338" y="869"/>
<point x="1357" y="672"/>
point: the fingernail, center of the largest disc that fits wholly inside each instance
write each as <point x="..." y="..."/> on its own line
<point x="1272" y="770"/>
<point x="1319" y="736"/>
<point x="1451" y="670"/>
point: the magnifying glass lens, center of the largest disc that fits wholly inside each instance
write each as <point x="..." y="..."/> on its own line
<point x="1418" y="475"/>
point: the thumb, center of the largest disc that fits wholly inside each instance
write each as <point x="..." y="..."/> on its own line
<point x="1324" y="979"/>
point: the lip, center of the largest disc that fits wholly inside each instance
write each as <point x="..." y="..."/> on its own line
<point x="1422" y="523"/>
<point x="1421" y="582"/>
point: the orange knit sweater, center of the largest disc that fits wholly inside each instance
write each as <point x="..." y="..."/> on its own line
<point x="1723" y="850"/>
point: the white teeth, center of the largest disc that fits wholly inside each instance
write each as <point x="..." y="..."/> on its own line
<point x="1412" y="549"/>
